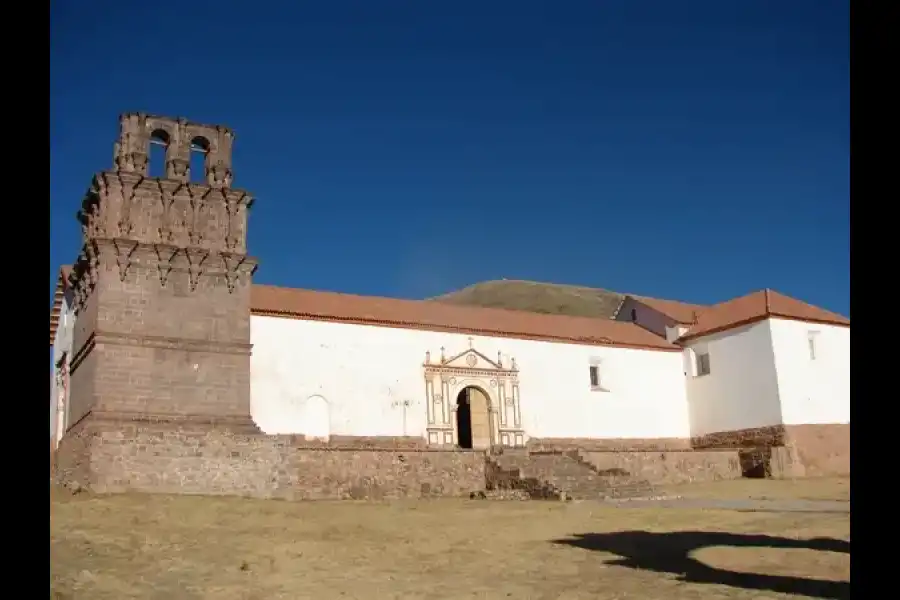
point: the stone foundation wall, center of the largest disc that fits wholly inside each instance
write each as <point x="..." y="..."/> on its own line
<point x="196" y="458"/>
<point x="788" y="450"/>
<point x="159" y="459"/>
<point x="813" y="451"/>
<point x="664" y="468"/>
<point x="608" y="444"/>
<point x="756" y="437"/>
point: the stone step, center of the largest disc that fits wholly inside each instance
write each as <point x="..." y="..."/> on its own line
<point x="552" y="475"/>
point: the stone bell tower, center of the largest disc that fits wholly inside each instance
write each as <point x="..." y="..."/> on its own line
<point x="162" y="284"/>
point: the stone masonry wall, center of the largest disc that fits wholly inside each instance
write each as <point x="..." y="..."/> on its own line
<point x="179" y="460"/>
<point x="662" y="468"/>
<point x="193" y="458"/>
<point x="609" y="444"/>
<point x="161" y="287"/>
<point x="742" y="438"/>
<point x="660" y="461"/>
<point x="813" y="450"/>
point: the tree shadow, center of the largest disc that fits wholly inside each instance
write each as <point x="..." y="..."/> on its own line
<point x="671" y="553"/>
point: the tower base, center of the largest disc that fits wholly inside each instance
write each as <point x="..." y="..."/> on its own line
<point x="106" y="456"/>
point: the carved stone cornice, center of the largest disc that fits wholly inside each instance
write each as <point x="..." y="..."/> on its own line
<point x="167" y="194"/>
<point x="165" y="259"/>
<point x="85" y="274"/>
<point x="125" y="249"/>
<point x="196" y="260"/>
<point x="237" y="266"/>
<point x="103" y="419"/>
<point x="137" y="180"/>
<point x="171" y="343"/>
<point x="164" y="254"/>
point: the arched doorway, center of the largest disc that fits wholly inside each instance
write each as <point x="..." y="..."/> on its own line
<point x="315" y="418"/>
<point x="473" y="418"/>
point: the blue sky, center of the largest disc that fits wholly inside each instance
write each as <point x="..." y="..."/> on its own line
<point x="691" y="150"/>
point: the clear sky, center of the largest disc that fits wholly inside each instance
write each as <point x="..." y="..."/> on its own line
<point x="691" y="150"/>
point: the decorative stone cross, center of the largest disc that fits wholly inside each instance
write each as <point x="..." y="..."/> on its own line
<point x="471" y="343"/>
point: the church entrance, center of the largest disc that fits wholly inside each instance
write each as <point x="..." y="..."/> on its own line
<point x="473" y="421"/>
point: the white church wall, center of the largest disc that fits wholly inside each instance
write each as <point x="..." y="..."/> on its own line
<point x="53" y="403"/>
<point x="371" y="380"/>
<point x="813" y="363"/>
<point x="741" y="389"/>
<point x="62" y="345"/>
<point x="675" y="332"/>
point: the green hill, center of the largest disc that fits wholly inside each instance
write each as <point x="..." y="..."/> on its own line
<point x="532" y="296"/>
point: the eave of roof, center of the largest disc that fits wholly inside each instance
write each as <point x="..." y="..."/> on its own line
<point x="755" y="307"/>
<point x="435" y="316"/>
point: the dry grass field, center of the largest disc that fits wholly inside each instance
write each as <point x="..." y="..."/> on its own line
<point x="173" y="548"/>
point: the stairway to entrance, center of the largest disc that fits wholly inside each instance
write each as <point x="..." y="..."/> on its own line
<point x="553" y="474"/>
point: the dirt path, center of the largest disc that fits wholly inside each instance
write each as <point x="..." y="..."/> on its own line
<point x="814" y="506"/>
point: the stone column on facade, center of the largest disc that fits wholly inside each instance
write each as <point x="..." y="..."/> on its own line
<point x="454" y="428"/>
<point x="495" y="425"/>
<point x="447" y="409"/>
<point x="517" y="415"/>
<point x="501" y="401"/>
<point x="429" y="398"/>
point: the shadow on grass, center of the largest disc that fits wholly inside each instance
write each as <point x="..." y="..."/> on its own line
<point x="671" y="553"/>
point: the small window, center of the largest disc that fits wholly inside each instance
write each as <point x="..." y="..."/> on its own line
<point x="703" y="364"/>
<point x="634" y="315"/>
<point x="811" y="344"/>
<point x="596" y="379"/>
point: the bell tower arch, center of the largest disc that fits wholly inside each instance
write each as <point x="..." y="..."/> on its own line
<point x="180" y="137"/>
<point x="162" y="283"/>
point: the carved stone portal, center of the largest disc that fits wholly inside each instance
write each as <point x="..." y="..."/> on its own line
<point x="62" y="397"/>
<point x="476" y="381"/>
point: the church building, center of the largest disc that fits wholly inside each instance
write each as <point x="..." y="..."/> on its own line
<point x="158" y="321"/>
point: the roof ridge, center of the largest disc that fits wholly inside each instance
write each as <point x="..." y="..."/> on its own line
<point x="746" y="309"/>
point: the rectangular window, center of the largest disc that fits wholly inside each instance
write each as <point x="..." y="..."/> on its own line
<point x="703" y="364"/>
<point x="595" y="376"/>
<point x="811" y="344"/>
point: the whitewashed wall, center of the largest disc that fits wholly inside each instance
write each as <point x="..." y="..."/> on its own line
<point x="741" y="390"/>
<point x="61" y="344"/>
<point x="647" y="317"/>
<point x="812" y="390"/>
<point x="361" y="377"/>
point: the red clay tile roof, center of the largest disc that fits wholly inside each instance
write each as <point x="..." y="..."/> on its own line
<point x="756" y="307"/>
<point x="62" y="284"/>
<point x="681" y="312"/>
<point x="436" y="316"/>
